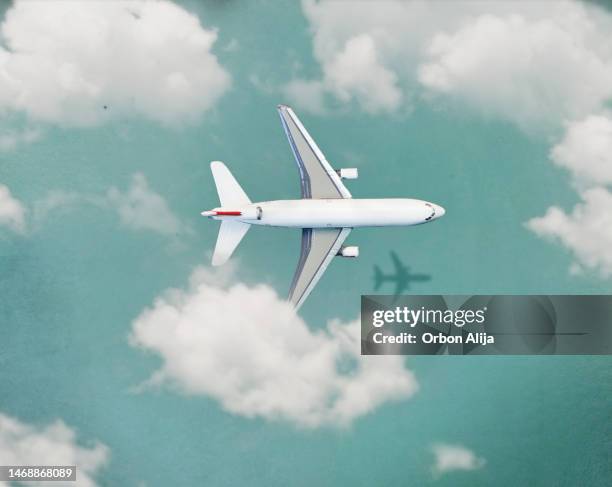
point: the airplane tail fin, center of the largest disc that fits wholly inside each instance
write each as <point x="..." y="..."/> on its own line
<point x="378" y="277"/>
<point x="230" y="234"/>
<point x="230" y="192"/>
<point x="231" y="195"/>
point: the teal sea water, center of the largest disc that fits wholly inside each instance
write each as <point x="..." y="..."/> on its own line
<point x="70" y="290"/>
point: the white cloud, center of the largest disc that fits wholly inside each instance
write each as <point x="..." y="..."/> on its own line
<point x="54" y="444"/>
<point x="356" y="72"/>
<point x="141" y="208"/>
<point x="65" y="61"/>
<point x="586" y="150"/>
<point x="306" y="95"/>
<point x="531" y="71"/>
<point x="586" y="231"/>
<point x="11" y="139"/>
<point x="528" y="62"/>
<point x="356" y="48"/>
<point x="138" y="208"/>
<point x="12" y="211"/>
<point x="449" y="458"/>
<point x="262" y="85"/>
<point x="61" y="200"/>
<point x="250" y="351"/>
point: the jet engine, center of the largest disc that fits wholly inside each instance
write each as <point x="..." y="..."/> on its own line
<point x="348" y="173"/>
<point x="348" y="251"/>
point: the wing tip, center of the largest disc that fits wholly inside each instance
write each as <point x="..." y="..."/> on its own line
<point x="297" y="304"/>
<point x="219" y="259"/>
<point x="218" y="262"/>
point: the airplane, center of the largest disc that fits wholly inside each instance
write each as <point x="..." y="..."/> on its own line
<point x="326" y="213"/>
<point x="402" y="277"/>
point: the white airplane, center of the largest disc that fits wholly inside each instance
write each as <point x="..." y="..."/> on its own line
<point x="326" y="213"/>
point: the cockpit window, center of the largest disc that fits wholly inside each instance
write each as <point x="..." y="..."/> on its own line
<point x="433" y="211"/>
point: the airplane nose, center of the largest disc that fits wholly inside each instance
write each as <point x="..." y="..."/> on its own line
<point x="434" y="211"/>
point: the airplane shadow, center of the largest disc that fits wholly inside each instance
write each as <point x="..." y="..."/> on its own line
<point x="401" y="278"/>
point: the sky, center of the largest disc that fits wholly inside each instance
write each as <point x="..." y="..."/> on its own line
<point x="124" y="352"/>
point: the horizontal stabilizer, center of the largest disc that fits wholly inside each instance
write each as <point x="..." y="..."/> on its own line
<point x="230" y="192"/>
<point x="230" y="235"/>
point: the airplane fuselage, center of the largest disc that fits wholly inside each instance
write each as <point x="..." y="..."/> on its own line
<point x="333" y="213"/>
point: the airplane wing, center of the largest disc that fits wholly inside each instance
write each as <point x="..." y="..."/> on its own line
<point x="317" y="177"/>
<point x="397" y="263"/>
<point x="319" y="246"/>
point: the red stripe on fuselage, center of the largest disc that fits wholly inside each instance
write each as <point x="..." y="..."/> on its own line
<point x="228" y="213"/>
